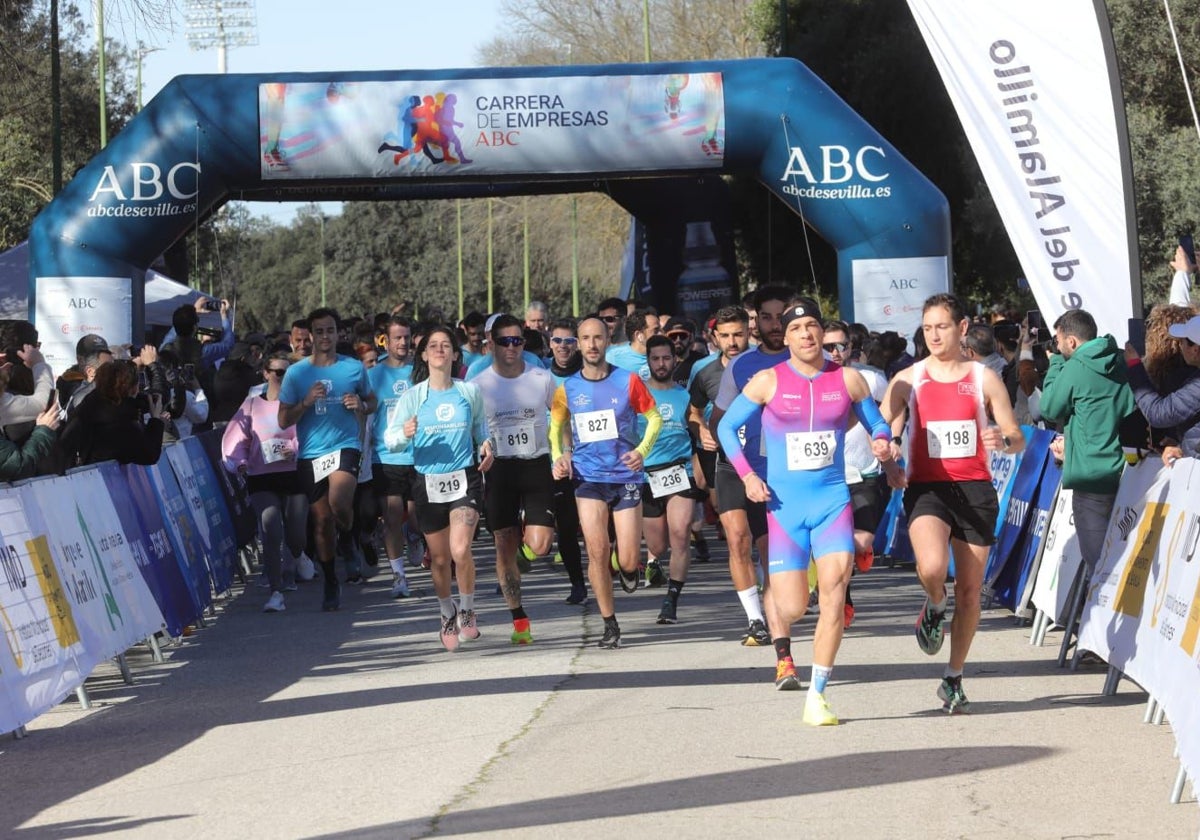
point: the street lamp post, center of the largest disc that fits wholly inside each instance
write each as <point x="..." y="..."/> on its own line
<point x="101" y="73"/>
<point x="221" y="24"/>
<point x="142" y="52"/>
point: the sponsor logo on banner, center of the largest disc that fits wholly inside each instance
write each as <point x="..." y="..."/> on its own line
<point x="147" y="191"/>
<point x="830" y="175"/>
<point x="442" y="127"/>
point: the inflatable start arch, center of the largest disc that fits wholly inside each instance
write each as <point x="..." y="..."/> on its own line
<point x="655" y="137"/>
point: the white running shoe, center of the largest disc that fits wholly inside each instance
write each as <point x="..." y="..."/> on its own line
<point x="400" y="588"/>
<point x="274" y="603"/>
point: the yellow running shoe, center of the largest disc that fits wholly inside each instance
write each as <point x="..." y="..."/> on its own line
<point x="817" y="711"/>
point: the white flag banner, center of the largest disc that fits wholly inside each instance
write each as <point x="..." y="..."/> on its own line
<point x="1035" y="87"/>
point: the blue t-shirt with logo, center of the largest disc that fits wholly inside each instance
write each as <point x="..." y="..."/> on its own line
<point x="626" y="358"/>
<point x="337" y="428"/>
<point x="389" y="384"/>
<point x="445" y="433"/>
<point x="674" y="442"/>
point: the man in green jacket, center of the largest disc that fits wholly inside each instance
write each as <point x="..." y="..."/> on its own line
<point x="1086" y="391"/>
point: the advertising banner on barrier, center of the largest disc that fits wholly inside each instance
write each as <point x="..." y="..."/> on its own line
<point x="1035" y="86"/>
<point x="68" y="308"/>
<point x="1014" y="516"/>
<point x="1003" y="467"/>
<point x="151" y="548"/>
<point x="206" y="510"/>
<point x="1116" y="594"/>
<point x="491" y="126"/>
<point x="1014" y="587"/>
<point x="113" y="606"/>
<point x="241" y="514"/>
<point x="1060" y="561"/>
<point x="890" y="294"/>
<point x="43" y="656"/>
<point x="158" y="484"/>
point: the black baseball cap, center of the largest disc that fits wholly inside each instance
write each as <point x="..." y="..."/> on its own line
<point x="91" y="344"/>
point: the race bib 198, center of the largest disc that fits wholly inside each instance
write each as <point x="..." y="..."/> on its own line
<point x="446" y="487"/>
<point x="595" y="426"/>
<point x="951" y="438"/>
<point x="667" y="481"/>
<point x="810" y="450"/>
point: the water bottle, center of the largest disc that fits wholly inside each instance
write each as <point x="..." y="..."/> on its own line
<point x="321" y="404"/>
<point x="704" y="283"/>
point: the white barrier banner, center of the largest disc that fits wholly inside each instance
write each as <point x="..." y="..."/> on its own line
<point x="43" y="657"/>
<point x="107" y="593"/>
<point x="890" y="294"/>
<point x="1035" y="87"/>
<point x="69" y="308"/>
<point x="1060" y="561"/>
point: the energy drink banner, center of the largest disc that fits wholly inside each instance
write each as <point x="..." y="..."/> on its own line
<point x="151" y="548"/>
<point x="205" y="508"/>
<point x="1060" y="561"/>
<point x="113" y="605"/>
<point x="43" y="657"/>
<point x="158" y="485"/>
<point x="491" y="126"/>
<point x="1036" y="89"/>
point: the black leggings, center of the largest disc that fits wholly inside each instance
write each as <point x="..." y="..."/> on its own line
<point x="566" y="517"/>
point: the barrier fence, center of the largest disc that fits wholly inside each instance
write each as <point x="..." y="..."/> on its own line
<point x="98" y="560"/>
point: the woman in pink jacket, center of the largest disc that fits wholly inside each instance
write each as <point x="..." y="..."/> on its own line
<point x="255" y="446"/>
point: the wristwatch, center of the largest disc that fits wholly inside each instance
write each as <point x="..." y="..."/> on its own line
<point x="1007" y="442"/>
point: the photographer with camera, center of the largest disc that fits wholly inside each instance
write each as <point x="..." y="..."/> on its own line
<point x="110" y="423"/>
<point x="200" y="346"/>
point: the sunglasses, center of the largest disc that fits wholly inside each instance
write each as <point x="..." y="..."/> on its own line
<point x="509" y="341"/>
<point x="277" y="371"/>
<point x="836" y="347"/>
<point x="609" y="319"/>
<point x="562" y="339"/>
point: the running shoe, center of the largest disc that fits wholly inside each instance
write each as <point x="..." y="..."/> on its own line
<point x="929" y="630"/>
<point x="629" y="580"/>
<point x="288" y="585"/>
<point x="612" y="561"/>
<point x="333" y="596"/>
<point x="355" y="580"/>
<point x="467" y="631"/>
<point x="450" y="633"/>
<point x="954" y="700"/>
<point x="400" y="587"/>
<point x="525" y="558"/>
<point x="863" y="561"/>
<point x="578" y="594"/>
<point x="848" y="616"/>
<point x="785" y="675"/>
<point x="817" y="711"/>
<point x="558" y="558"/>
<point x="700" y="546"/>
<point x="757" y="634"/>
<point x="274" y="603"/>
<point x="521" y="634"/>
<point x="263" y="581"/>
<point x="306" y="569"/>
<point x="666" y="615"/>
<point x="655" y="576"/>
<point x="612" y="636"/>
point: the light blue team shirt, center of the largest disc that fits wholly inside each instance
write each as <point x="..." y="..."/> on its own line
<point x="674" y="443"/>
<point x="389" y="384"/>
<point x="451" y="425"/>
<point x="484" y="362"/>
<point x="337" y="428"/>
<point x="470" y="357"/>
<point x="626" y="358"/>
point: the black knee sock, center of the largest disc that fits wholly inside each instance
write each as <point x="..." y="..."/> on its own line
<point x="518" y="614"/>
<point x="783" y="647"/>
<point x="610" y="621"/>
<point x="674" y="587"/>
<point x="329" y="573"/>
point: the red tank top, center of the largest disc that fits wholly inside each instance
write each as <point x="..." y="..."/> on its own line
<point x="945" y="422"/>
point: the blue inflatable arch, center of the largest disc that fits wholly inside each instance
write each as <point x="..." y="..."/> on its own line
<point x="655" y="137"/>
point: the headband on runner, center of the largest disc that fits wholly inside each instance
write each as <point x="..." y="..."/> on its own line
<point x="801" y="309"/>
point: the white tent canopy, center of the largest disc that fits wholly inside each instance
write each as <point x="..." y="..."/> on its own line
<point x="163" y="295"/>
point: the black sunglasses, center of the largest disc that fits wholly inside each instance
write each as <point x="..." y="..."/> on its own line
<point x="610" y="319"/>
<point x="836" y="347"/>
<point x="509" y="341"/>
<point x="277" y="371"/>
<point x="562" y="339"/>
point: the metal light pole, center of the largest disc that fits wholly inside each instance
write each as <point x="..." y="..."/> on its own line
<point x="461" y="300"/>
<point x="221" y="24"/>
<point x="489" y="254"/>
<point x="646" y="28"/>
<point x="322" y="218"/>
<point x="525" y="212"/>
<point x="101" y="73"/>
<point x="142" y="52"/>
<point x="574" y="256"/>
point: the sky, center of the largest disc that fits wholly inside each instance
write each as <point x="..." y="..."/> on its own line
<point x="314" y="37"/>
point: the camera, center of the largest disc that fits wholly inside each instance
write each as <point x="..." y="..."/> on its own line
<point x="212" y="305"/>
